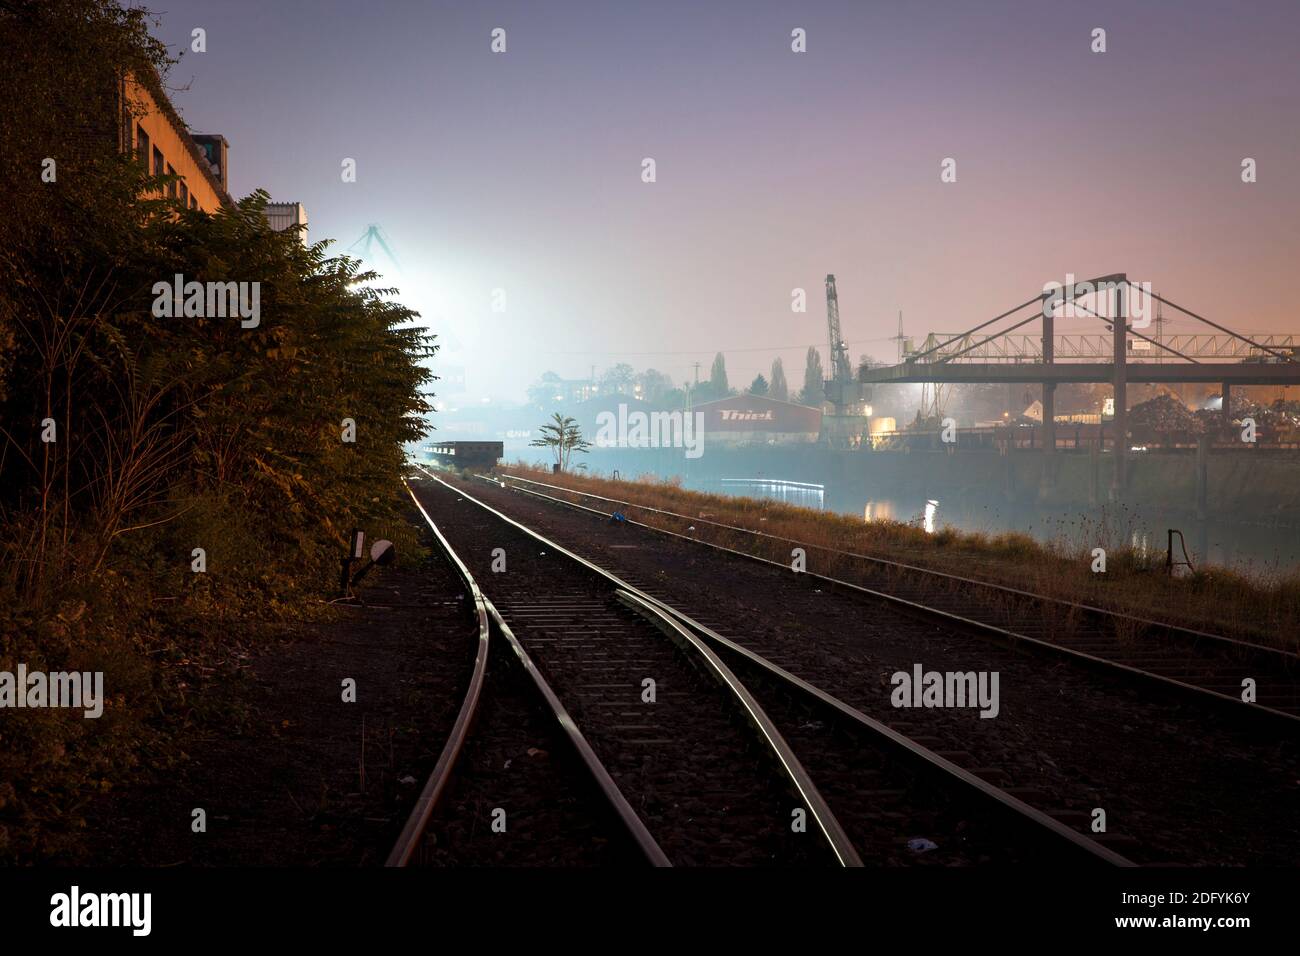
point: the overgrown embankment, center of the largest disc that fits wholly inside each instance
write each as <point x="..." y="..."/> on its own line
<point x="172" y="489"/>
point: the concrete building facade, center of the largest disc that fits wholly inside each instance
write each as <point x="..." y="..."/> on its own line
<point x="152" y="130"/>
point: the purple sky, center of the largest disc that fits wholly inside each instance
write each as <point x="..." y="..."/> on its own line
<point x="521" y="170"/>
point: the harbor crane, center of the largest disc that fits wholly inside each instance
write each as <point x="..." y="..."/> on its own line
<point x="847" y="397"/>
<point x="375" y="234"/>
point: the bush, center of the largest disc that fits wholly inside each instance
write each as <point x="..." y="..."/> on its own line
<point x="172" y="433"/>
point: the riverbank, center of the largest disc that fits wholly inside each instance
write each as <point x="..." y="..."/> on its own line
<point x="1249" y="485"/>
<point x="1134" y="582"/>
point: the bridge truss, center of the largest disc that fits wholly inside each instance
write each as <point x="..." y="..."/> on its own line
<point x="1122" y="354"/>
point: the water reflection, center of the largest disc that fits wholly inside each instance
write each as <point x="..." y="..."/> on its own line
<point x="884" y="511"/>
<point x="800" y="493"/>
<point x="1138" y="541"/>
<point x="878" y="511"/>
<point x="1258" y="548"/>
<point x="931" y="511"/>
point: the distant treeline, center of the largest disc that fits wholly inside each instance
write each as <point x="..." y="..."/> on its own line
<point x="551" y="391"/>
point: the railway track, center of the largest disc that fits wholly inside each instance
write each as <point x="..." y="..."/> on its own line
<point x="887" y="800"/>
<point x="1209" y="667"/>
<point x="1069" y="740"/>
<point x="524" y="705"/>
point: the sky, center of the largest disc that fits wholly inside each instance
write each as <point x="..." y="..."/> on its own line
<point x="522" y="171"/>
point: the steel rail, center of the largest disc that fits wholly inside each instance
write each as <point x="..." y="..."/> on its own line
<point x="982" y="787"/>
<point x="631" y="821"/>
<point x="898" y="741"/>
<point x="655" y="612"/>
<point x="1010" y="637"/>
<point x="697" y="651"/>
<point x="409" y="839"/>
<point x="1289" y="658"/>
<point x="418" y="820"/>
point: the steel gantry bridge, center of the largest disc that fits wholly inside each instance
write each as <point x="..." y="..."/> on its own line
<point x="1121" y="355"/>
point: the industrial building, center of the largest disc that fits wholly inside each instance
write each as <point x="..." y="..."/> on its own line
<point x="150" y="128"/>
<point x="285" y="215"/>
<point x="758" y="420"/>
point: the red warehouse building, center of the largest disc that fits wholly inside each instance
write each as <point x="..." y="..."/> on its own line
<point x="757" y="420"/>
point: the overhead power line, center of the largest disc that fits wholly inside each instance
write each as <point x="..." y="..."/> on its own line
<point x="724" y="350"/>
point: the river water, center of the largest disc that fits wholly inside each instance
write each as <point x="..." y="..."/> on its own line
<point x="1258" y="549"/>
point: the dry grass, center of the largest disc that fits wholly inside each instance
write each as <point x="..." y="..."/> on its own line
<point x="1222" y="601"/>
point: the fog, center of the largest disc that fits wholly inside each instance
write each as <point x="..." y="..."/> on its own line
<point x="511" y="184"/>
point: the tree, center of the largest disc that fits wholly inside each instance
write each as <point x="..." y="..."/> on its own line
<point x="654" y="385"/>
<point x="563" y="436"/>
<point x="813" y="388"/>
<point x="718" y="377"/>
<point x="778" y="389"/>
<point x="249" y="448"/>
<point x="758" y="386"/>
<point x="617" y="380"/>
<point x="545" y="392"/>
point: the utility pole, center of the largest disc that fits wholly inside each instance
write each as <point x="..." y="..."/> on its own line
<point x="697" y="374"/>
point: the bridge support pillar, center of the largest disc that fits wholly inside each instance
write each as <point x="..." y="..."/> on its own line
<point x="1009" y="471"/>
<point x="1203" y="478"/>
<point x="1094" y="470"/>
<point x="1119" y="325"/>
<point x="1047" y="483"/>
<point x="1227" y="406"/>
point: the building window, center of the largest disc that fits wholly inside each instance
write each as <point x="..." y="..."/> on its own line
<point x="185" y="195"/>
<point x="142" y="146"/>
<point x="157" y="161"/>
<point x="171" y="186"/>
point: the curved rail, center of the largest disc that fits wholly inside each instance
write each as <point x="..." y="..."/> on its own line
<point x="645" y="605"/>
<point x="413" y="831"/>
<point x="486" y="611"/>
<point x="817" y="806"/>
<point x="819" y="697"/>
<point x="903" y="744"/>
<point x="635" y="826"/>
<point x="1203" y="693"/>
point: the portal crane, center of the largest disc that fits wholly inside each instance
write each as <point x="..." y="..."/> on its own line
<point x="842" y="389"/>
<point x="374" y="233"/>
<point x="841" y="373"/>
